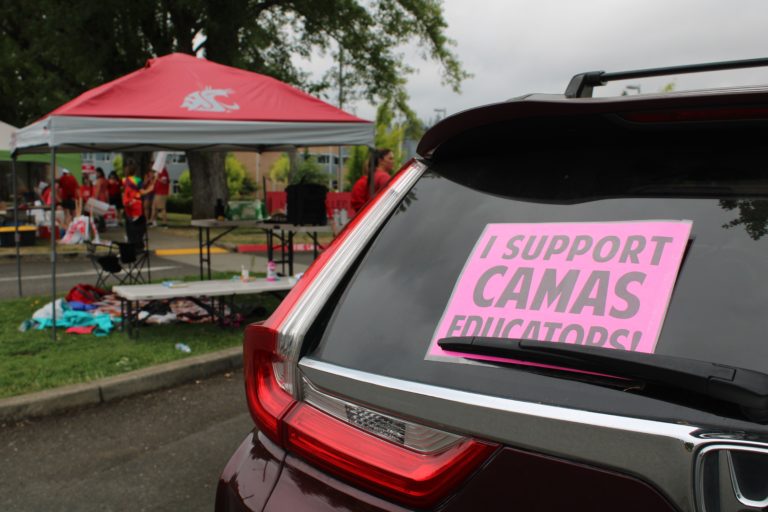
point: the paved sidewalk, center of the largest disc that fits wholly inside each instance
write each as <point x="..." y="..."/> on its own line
<point x="185" y="248"/>
<point x="59" y="400"/>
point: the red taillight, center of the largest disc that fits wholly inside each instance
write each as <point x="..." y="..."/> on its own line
<point x="268" y="402"/>
<point x="416" y="479"/>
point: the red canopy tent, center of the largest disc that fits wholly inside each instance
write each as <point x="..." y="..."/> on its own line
<point x="179" y="102"/>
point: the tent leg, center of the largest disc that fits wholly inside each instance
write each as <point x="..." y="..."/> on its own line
<point x="16" y="238"/>
<point x="53" y="242"/>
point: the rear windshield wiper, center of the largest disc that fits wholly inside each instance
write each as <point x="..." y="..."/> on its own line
<point x="746" y="388"/>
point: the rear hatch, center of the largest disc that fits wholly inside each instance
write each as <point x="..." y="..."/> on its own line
<point x="548" y="188"/>
<point x="569" y="173"/>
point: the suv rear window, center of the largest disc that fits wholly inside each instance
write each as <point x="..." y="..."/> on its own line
<point x="387" y="313"/>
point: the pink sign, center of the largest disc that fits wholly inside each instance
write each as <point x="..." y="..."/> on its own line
<point x="605" y="284"/>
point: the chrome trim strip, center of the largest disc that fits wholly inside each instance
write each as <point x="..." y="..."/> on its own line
<point x="660" y="453"/>
<point x="730" y="495"/>
<point x="314" y="297"/>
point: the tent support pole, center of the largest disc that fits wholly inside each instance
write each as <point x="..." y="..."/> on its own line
<point x="16" y="237"/>
<point x="53" y="242"/>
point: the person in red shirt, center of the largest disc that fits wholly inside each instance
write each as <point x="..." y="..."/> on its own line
<point x="133" y="204"/>
<point x="384" y="161"/>
<point x="100" y="186"/>
<point x="86" y="189"/>
<point x="45" y="193"/>
<point x="132" y="196"/>
<point x="114" y="188"/>
<point x="162" y="189"/>
<point x="69" y="193"/>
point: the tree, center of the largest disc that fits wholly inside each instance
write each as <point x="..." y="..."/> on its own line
<point x="73" y="46"/>
<point x="280" y="169"/>
<point x="307" y="170"/>
<point x="392" y="128"/>
<point x="117" y="165"/>
<point x="237" y="181"/>
<point x="236" y="175"/>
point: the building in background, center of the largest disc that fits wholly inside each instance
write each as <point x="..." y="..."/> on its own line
<point x="176" y="163"/>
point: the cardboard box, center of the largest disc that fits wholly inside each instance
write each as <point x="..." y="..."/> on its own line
<point x="245" y="210"/>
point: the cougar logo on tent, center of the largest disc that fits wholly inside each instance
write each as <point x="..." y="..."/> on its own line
<point x="205" y="101"/>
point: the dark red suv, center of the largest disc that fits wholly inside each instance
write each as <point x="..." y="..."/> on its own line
<point x="559" y="305"/>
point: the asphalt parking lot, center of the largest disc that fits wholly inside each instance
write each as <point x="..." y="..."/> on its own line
<point x="162" y="451"/>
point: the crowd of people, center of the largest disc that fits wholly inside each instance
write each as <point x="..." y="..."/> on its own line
<point x="133" y="197"/>
<point x="139" y="199"/>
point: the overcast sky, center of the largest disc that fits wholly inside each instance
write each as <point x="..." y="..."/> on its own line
<point x="514" y="47"/>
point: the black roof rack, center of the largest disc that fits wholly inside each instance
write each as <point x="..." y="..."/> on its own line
<point x="581" y="85"/>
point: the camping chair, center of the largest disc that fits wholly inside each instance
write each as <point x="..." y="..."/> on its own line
<point x="124" y="261"/>
<point x="134" y="257"/>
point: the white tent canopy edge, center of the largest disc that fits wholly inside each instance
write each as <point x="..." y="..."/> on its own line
<point x="75" y="134"/>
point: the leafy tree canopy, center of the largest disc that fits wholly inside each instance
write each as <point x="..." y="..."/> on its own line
<point x="238" y="183"/>
<point x="53" y="51"/>
<point x="391" y="132"/>
<point x="307" y="170"/>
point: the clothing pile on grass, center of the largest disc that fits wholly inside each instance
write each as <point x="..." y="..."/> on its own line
<point x="85" y="310"/>
<point x="188" y="310"/>
<point x="90" y="310"/>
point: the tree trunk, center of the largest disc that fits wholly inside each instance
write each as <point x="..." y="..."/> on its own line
<point x="209" y="182"/>
<point x="142" y="159"/>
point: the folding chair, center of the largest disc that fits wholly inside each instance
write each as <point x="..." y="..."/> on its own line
<point x="133" y="259"/>
<point x="128" y="263"/>
<point x="104" y="261"/>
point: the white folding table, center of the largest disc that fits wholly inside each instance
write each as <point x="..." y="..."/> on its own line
<point x="131" y="294"/>
<point x="284" y="232"/>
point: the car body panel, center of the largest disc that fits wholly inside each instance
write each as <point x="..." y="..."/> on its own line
<point x="567" y="441"/>
<point x="250" y="475"/>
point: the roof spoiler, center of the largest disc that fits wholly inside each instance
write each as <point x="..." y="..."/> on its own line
<point x="581" y="85"/>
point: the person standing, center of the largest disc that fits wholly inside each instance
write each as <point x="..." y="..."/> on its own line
<point x="384" y="162"/>
<point x="100" y="193"/>
<point x="133" y="204"/>
<point x="162" y="189"/>
<point x="86" y="189"/>
<point x="114" y="189"/>
<point x="148" y="192"/>
<point x="69" y="194"/>
<point x="45" y="193"/>
<point x="101" y="187"/>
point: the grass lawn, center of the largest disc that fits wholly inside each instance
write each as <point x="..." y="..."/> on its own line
<point x="30" y="361"/>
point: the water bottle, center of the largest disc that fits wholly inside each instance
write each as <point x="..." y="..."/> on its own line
<point x="183" y="347"/>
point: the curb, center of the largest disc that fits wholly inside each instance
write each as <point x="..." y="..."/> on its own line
<point x="76" y="396"/>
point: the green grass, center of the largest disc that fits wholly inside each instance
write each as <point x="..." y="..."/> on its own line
<point x="30" y="361"/>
